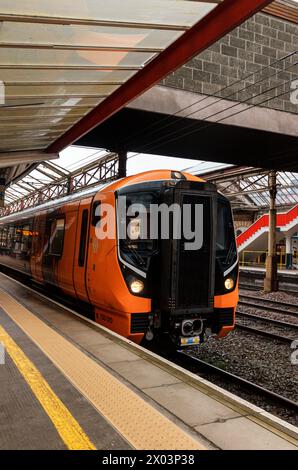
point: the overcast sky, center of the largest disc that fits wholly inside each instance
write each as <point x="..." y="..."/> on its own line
<point x="75" y="157"/>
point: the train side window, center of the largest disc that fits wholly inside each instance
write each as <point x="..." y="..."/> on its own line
<point x="95" y="209"/>
<point x="4" y="238"/>
<point x="83" y="239"/>
<point x="57" y="237"/>
<point x="26" y="239"/>
<point x="10" y="237"/>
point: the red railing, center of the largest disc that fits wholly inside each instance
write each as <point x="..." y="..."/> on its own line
<point x="281" y="220"/>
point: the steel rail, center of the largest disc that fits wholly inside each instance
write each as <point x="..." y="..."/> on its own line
<point x="266" y="334"/>
<point x="268" y="320"/>
<point x="275" y="303"/>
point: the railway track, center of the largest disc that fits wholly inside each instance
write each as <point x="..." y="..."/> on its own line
<point x="265" y="333"/>
<point x="257" y="288"/>
<point x="266" y="304"/>
<point x="251" y="287"/>
<point x="272" y="306"/>
<point x="267" y="320"/>
<point x="198" y="366"/>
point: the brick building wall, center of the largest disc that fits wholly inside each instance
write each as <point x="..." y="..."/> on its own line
<point x="247" y="65"/>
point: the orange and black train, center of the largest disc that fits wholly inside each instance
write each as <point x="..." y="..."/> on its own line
<point x="140" y="288"/>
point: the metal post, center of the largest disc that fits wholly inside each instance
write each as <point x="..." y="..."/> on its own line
<point x="271" y="281"/>
<point x="122" y="155"/>
<point x="289" y="256"/>
<point x="69" y="184"/>
<point x="2" y="191"/>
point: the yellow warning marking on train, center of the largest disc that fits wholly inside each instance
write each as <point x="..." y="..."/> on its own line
<point x="67" y="427"/>
<point x="143" y="426"/>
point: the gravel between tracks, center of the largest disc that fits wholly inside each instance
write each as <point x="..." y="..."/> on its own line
<point x="263" y="361"/>
<point x="281" y="297"/>
<point x="278" y="296"/>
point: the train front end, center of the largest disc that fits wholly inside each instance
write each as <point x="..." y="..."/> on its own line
<point x="177" y="247"/>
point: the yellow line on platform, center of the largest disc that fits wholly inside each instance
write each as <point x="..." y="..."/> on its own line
<point x="67" y="427"/>
<point x="142" y="425"/>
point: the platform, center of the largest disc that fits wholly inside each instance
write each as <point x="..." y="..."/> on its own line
<point x="254" y="276"/>
<point x="256" y="269"/>
<point x="68" y="383"/>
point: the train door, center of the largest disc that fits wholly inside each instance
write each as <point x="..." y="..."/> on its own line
<point x="100" y="252"/>
<point x="63" y="248"/>
<point x="81" y="250"/>
<point x="53" y="246"/>
<point x="38" y="235"/>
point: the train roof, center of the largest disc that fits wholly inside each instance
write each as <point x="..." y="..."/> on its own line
<point x="133" y="179"/>
<point x="55" y="202"/>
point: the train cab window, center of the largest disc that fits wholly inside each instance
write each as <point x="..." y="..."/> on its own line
<point x="83" y="239"/>
<point x="137" y="247"/>
<point x="226" y="251"/>
<point x="57" y="237"/>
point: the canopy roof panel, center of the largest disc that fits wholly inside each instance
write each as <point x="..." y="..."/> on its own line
<point x="60" y="59"/>
<point x="248" y="188"/>
<point x="68" y="66"/>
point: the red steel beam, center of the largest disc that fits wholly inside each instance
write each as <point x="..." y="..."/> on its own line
<point x="225" y="17"/>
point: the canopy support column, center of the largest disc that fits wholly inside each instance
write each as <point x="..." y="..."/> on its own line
<point x="271" y="280"/>
<point x="122" y="155"/>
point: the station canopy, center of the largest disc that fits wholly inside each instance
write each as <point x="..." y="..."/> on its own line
<point x="60" y="59"/>
<point x="66" y="66"/>
<point x="247" y="187"/>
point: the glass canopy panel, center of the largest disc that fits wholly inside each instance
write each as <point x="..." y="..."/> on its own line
<point x="36" y="104"/>
<point x="25" y="113"/>
<point x="160" y="12"/>
<point x="60" y="59"/>
<point x="32" y="76"/>
<point x="23" y="145"/>
<point x="47" y="58"/>
<point x="40" y="91"/>
<point x="32" y="123"/>
<point x="7" y="133"/>
<point x="85" y="37"/>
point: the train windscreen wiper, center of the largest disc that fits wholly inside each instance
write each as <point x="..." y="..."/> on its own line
<point x="229" y="254"/>
<point x="137" y="257"/>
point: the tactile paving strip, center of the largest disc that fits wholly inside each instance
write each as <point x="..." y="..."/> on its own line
<point x="143" y="426"/>
<point x="67" y="427"/>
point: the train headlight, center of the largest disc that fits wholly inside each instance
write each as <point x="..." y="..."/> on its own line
<point x="137" y="286"/>
<point x="229" y="283"/>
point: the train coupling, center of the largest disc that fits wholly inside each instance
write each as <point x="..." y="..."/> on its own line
<point x="191" y="332"/>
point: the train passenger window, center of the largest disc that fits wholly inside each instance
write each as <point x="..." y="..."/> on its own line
<point x="17" y="238"/>
<point x="95" y="211"/>
<point x="4" y="238"/>
<point x="26" y="239"/>
<point x="57" y="237"/>
<point x="10" y="237"/>
<point x="84" y="226"/>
